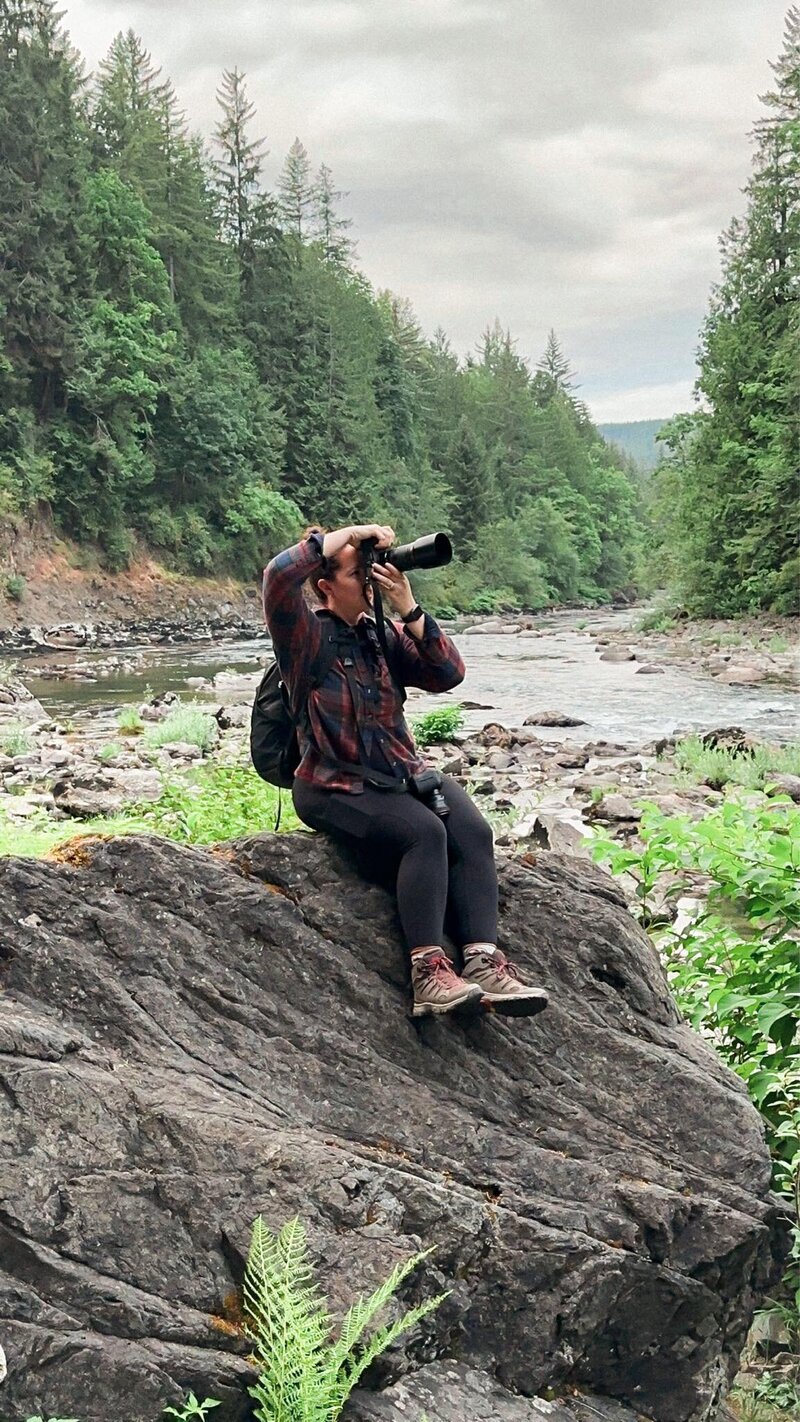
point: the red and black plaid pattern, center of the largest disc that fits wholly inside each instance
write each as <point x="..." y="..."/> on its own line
<point x="433" y="663"/>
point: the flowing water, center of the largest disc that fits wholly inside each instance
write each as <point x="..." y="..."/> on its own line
<point x="511" y="675"/>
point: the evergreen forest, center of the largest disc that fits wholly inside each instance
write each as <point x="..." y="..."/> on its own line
<point x="193" y="364"/>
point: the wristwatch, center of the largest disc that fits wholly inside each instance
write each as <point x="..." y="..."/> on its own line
<point x="412" y="616"/>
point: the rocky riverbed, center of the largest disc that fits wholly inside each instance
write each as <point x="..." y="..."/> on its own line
<point x="542" y="783"/>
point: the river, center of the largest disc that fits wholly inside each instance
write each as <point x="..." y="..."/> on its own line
<point x="511" y="675"/>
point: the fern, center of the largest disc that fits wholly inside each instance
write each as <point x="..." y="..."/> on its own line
<point x="305" y="1374"/>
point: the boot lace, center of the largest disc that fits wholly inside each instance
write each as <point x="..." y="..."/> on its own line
<point x="436" y="966"/>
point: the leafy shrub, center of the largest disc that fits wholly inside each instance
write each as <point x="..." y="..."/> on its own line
<point x="15" y="587"/>
<point x="438" y="725"/>
<point x="16" y="741"/>
<point x="185" y="723"/>
<point x="304" y="1372"/>
<point x="734" y="969"/>
<point x="130" y="722"/>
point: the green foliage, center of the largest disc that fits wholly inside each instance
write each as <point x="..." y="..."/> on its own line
<point x="185" y="723"/>
<point x="752" y="769"/>
<point x="129" y="721"/>
<point x="192" y="361"/>
<point x="734" y="968"/>
<point x="192" y="1408"/>
<point x="438" y="725"/>
<point x="778" y="1392"/>
<point x="659" y="619"/>
<point x="15" y="587"/>
<point x="779" y="644"/>
<point x="16" y="740"/>
<point x="110" y="750"/>
<point x="216" y="803"/>
<point x="727" y="489"/>
<point x="306" y="1375"/>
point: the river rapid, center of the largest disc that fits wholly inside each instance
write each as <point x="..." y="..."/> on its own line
<point x="511" y="675"/>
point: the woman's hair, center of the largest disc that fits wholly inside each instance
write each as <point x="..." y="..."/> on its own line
<point x="327" y="570"/>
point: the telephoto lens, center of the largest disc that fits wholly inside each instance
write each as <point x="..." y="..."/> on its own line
<point x="433" y="550"/>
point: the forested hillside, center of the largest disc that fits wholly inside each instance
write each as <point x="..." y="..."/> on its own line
<point x="729" y="491"/>
<point x="193" y="361"/>
<point x="638" y="439"/>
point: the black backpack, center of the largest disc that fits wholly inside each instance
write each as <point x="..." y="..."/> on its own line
<point x="274" y="748"/>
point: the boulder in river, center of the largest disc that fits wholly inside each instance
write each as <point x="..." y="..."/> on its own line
<point x="618" y="654"/>
<point x="188" y="1039"/>
<point x="552" y="718"/>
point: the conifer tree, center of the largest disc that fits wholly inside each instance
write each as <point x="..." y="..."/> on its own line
<point x="330" y="230"/>
<point x="295" y="193"/>
<point x="239" y="168"/>
<point x="735" y="517"/>
<point x="42" y="266"/>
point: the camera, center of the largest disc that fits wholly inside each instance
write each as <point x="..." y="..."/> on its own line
<point x="433" y="550"/>
<point x="427" y="786"/>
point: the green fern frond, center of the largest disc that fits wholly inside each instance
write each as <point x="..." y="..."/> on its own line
<point x="286" y="1319"/>
<point x="355" y="1367"/>
<point x="304" y="1376"/>
<point x="361" y="1313"/>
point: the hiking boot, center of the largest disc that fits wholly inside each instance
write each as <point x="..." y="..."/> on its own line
<point x="502" y="987"/>
<point x="438" y="988"/>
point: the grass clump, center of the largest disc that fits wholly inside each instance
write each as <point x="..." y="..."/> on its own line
<point x="751" y="769"/>
<point x="438" y="725"/>
<point x="305" y="1372"/>
<point x="778" y="643"/>
<point x="213" y="803"/>
<point x="185" y="723"/>
<point x="658" y="619"/>
<point x="110" y="750"/>
<point x="15" y="587"/>
<point x="16" y="741"/>
<point x="129" y="722"/>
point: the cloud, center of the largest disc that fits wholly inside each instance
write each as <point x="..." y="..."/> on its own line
<point x="554" y="164"/>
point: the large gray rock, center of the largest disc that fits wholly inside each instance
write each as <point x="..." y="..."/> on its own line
<point x="449" y="1392"/>
<point x="188" y="1039"/>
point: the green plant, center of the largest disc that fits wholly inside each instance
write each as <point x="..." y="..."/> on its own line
<point x="185" y="723"/>
<point x="782" y="1393"/>
<point x="778" y="644"/>
<point x="129" y="721"/>
<point x="734" y="968"/>
<point x="658" y="619"/>
<point x="16" y="741"/>
<point x="110" y="750"/>
<point x="306" y="1375"/>
<point x="191" y="1408"/>
<point x="15" y="587"/>
<point x="438" y="725"/>
<point x="716" y="766"/>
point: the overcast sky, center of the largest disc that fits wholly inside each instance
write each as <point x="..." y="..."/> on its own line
<point x="553" y="163"/>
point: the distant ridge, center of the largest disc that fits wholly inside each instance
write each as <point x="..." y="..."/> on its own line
<point x="638" y="439"/>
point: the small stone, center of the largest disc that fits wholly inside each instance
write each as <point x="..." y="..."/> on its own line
<point x="552" y="718"/>
<point x="647" y="670"/>
<point x="784" y="785"/>
<point x="618" y="654"/>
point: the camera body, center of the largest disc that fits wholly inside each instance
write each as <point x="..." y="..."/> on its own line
<point x="427" y="786"/>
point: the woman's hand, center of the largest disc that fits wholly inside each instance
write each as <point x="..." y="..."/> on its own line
<point x="394" y="586"/>
<point x="384" y="536"/>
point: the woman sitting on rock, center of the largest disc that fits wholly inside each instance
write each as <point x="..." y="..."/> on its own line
<point x="358" y="754"/>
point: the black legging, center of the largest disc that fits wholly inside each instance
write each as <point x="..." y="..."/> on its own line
<point x="443" y="865"/>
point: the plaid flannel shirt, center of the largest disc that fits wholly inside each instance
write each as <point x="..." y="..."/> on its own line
<point x="433" y="663"/>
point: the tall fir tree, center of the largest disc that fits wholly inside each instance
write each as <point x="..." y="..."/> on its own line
<point x="240" y="166"/>
<point x="735" y="515"/>
<point x="295" y="193"/>
<point x="329" y="229"/>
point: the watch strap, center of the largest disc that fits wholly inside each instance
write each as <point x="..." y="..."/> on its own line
<point x="413" y="615"/>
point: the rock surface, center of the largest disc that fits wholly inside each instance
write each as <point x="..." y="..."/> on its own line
<point x="188" y="1039"/>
